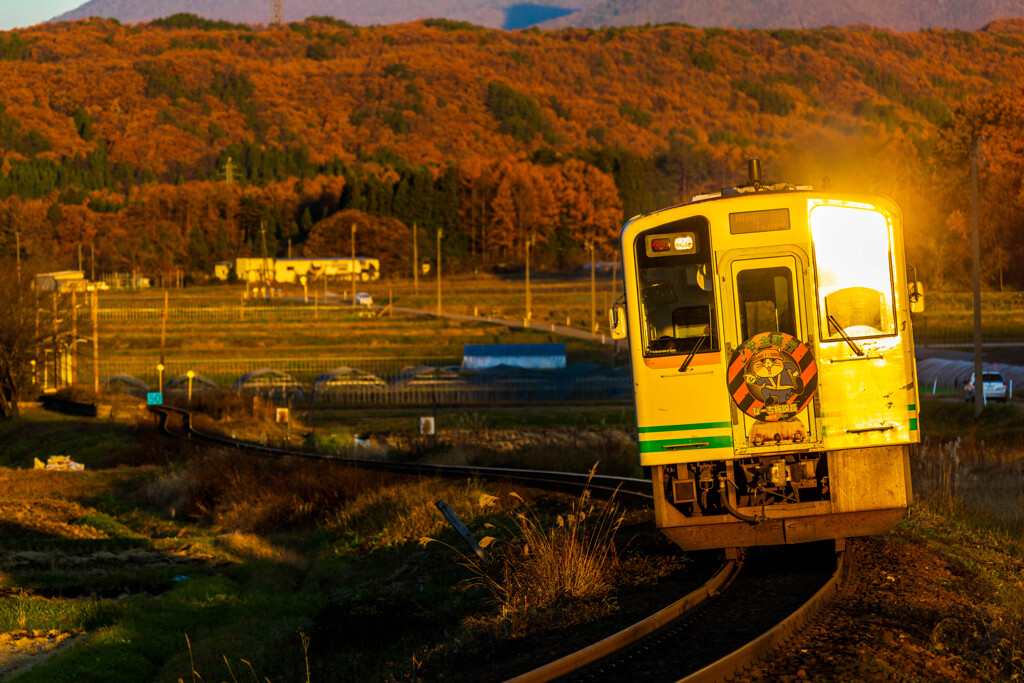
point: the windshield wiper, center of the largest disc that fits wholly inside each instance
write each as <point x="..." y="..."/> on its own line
<point x="693" y="351"/>
<point x="842" y="333"/>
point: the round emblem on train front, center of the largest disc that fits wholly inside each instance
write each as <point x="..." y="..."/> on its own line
<point x="772" y="376"/>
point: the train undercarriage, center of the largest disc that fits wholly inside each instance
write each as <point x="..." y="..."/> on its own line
<point x="783" y="498"/>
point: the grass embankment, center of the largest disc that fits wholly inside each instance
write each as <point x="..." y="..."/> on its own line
<point x="247" y="558"/>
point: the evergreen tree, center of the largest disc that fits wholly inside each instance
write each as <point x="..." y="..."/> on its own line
<point x="198" y="252"/>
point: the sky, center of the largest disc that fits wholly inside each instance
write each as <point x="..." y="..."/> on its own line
<point x="21" y="13"/>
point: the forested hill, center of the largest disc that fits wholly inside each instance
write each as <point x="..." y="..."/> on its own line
<point x="166" y="144"/>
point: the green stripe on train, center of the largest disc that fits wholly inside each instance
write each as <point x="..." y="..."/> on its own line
<point x="706" y="443"/>
<point x="686" y="427"/>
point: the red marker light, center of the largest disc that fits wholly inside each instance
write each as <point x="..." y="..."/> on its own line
<point x="663" y="244"/>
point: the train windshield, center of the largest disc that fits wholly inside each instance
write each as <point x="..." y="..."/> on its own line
<point x="677" y="303"/>
<point x="766" y="301"/>
<point x="852" y="253"/>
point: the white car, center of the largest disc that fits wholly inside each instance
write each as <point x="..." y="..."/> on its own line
<point x="363" y="299"/>
<point x="994" y="386"/>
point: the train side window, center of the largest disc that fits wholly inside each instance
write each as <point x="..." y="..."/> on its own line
<point x="766" y="301"/>
<point x="677" y="313"/>
<point x="853" y="257"/>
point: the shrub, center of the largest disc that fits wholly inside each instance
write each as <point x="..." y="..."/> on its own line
<point x="534" y="565"/>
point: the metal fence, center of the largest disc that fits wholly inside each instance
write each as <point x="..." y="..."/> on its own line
<point x="366" y="380"/>
<point x="194" y="313"/>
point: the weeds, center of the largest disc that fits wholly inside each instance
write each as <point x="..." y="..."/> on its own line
<point x="534" y="565"/>
<point x="967" y="477"/>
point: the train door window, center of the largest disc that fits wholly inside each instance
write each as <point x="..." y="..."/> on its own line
<point x="677" y="312"/>
<point x="765" y="297"/>
<point x="853" y="259"/>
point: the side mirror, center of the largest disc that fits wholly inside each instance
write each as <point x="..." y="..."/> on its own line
<point x="916" y="297"/>
<point x="617" y="320"/>
<point x="704" y="278"/>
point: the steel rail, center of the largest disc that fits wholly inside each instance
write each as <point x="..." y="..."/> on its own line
<point x="630" y="635"/>
<point x="603" y="485"/>
<point x="727" y="667"/>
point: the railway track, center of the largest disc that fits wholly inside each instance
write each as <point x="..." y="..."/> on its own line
<point x="756" y="601"/>
<point x="746" y="610"/>
<point x="625" y="488"/>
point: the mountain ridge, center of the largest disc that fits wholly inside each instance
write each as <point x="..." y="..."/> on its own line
<point x="899" y="15"/>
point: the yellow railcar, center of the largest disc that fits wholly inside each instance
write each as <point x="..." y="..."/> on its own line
<point x="773" y="364"/>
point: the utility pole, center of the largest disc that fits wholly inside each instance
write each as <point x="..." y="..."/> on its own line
<point x="275" y="12"/>
<point x="979" y="384"/>
<point x="163" y="330"/>
<point x="529" y="302"/>
<point x="266" y="274"/>
<point x="72" y="347"/>
<point x="56" y="348"/>
<point x="415" y="261"/>
<point x="92" y="261"/>
<point x="593" y="289"/>
<point x="96" y="341"/>
<point x="352" y="268"/>
<point x="439" y="233"/>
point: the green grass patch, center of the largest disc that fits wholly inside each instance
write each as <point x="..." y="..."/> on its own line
<point x="945" y="420"/>
<point x="40" y="434"/>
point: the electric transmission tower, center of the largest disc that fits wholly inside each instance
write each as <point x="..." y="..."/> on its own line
<point x="275" y="11"/>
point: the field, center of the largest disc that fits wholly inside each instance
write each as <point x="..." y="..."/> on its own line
<point x="224" y="332"/>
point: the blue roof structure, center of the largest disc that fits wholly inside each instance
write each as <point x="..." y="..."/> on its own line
<point x="533" y="356"/>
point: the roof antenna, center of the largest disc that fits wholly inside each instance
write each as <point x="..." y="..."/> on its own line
<point x="754" y="172"/>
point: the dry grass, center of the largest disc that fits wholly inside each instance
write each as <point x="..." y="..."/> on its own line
<point x="254" y="547"/>
<point x="964" y="477"/>
<point x="401" y="512"/>
<point x="533" y="564"/>
<point x="233" y="492"/>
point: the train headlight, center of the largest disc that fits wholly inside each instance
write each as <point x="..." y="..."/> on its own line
<point x="855" y="238"/>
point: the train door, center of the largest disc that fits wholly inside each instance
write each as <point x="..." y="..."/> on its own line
<point x="772" y="375"/>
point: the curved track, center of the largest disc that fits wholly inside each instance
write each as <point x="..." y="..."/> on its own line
<point x="743" y="612"/>
<point x="627" y="488"/>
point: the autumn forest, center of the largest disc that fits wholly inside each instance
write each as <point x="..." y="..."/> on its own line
<point x="167" y="146"/>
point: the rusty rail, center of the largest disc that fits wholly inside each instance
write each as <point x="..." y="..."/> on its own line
<point x="746" y="656"/>
<point x="628" y="636"/>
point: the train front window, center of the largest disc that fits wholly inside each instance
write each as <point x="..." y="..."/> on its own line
<point x="766" y="301"/>
<point x="852" y="254"/>
<point x="678" y="313"/>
